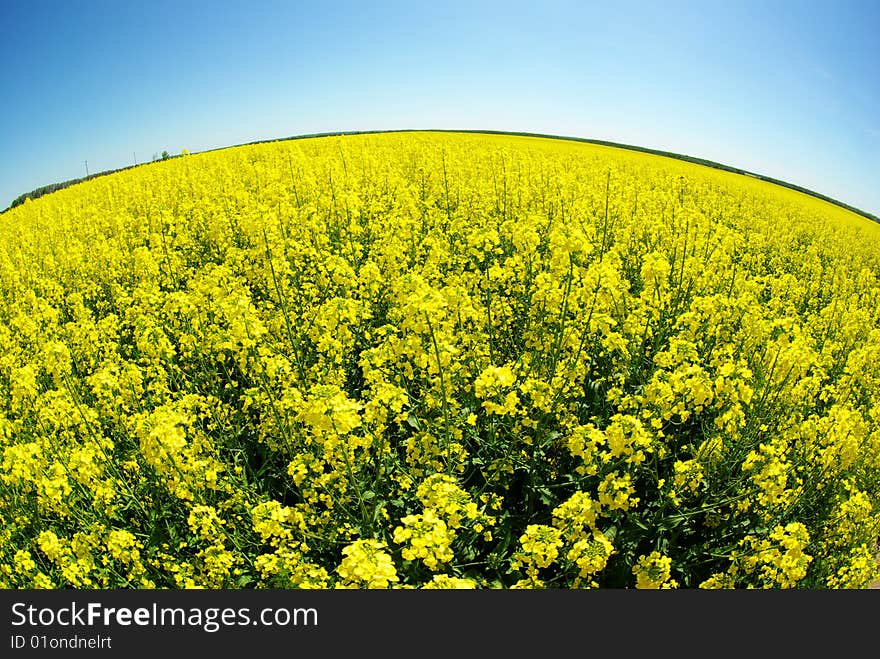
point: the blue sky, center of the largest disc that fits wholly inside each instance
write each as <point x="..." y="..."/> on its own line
<point x="786" y="89"/>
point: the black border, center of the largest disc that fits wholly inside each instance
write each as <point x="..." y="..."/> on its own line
<point x="515" y="623"/>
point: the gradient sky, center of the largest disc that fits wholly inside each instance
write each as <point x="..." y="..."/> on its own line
<point x="786" y="89"/>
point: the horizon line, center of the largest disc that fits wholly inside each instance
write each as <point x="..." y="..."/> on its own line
<point x="588" y="140"/>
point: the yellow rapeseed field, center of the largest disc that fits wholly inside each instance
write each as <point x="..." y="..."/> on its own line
<point x="437" y="360"/>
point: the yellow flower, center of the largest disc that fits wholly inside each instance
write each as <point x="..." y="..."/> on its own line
<point x="653" y="571"/>
<point x="366" y="564"/>
<point x="540" y="544"/>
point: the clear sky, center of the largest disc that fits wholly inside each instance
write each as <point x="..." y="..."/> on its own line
<point x="786" y="89"/>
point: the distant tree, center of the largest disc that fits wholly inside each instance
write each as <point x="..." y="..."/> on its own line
<point x="155" y="157"/>
<point x="165" y="155"/>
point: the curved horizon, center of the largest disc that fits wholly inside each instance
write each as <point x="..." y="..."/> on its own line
<point x="696" y="160"/>
<point x="788" y="89"/>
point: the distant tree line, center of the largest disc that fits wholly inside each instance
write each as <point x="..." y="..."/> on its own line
<point x="54" y="187"/>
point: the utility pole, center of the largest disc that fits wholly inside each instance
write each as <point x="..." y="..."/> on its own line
<point x="134" y="153"/>
<point x="87" y="167"/>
